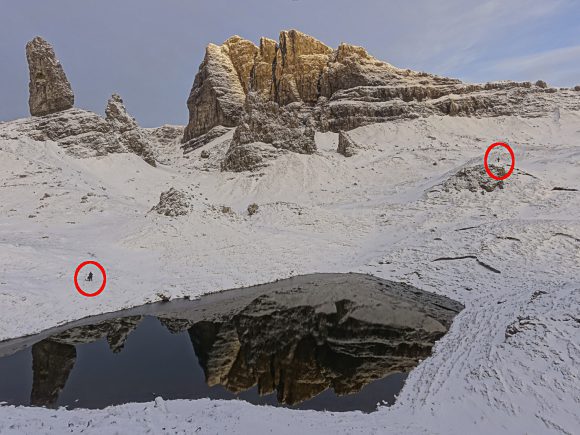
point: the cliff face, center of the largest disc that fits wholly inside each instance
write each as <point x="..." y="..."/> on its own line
<point x="304" y="85"/>
<point x="283" y="72"/>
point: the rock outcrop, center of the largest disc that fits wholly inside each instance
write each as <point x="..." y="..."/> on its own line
<point x="131" y="136"/>
<point x="204" y="139"/>
<point x="173" y="203"/>
<point x="49" y="89"/>
<point x="475" y="179"/>
<point x="217" y="96"/>
<point x="116" y="115"/>
<point x="86" y="134"/>
<point x="334" y="90"/>
<point x="265" y="122"/>
<point x="346" y="145"/>
<point x="283" y="72"/>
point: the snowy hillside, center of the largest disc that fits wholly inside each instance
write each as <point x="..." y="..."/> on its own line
<point x="511" y="256"/>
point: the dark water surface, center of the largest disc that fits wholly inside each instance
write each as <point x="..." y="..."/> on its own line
<point x="324" y="342"/>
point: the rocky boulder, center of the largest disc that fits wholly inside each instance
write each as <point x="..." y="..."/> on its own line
<point x="173" y="203"/>
<point x="49" y="89"/>
<point x="475" y="179"/>
<point x="346" y="145"/>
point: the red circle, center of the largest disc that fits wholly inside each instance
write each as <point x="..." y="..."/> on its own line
<point x="492" y="146"/>
<point x="79" y="289"/>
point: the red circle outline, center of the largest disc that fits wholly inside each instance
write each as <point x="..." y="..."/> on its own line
<point x="489" y="148"/>
<point x="78" y="287"/>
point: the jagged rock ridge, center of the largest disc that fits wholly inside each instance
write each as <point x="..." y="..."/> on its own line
<point x="322" y="89"/>
<point x="86" y="134"/>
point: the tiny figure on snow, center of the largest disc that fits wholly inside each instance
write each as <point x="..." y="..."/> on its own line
<point x="90" y="277"/>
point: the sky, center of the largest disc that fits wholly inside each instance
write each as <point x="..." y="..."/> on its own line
<point x="148" y="51"/>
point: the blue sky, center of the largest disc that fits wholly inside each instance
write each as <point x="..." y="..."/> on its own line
<point x="148" y="51"/>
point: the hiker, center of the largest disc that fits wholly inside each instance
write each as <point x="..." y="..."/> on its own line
<point x="90" y="277"/>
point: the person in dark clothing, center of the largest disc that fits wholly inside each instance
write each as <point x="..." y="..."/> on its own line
<point x="90" y="277"/>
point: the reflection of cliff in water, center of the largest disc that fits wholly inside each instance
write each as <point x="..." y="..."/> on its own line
<point x="299" y="353"/>
<point x="296" y="337"/>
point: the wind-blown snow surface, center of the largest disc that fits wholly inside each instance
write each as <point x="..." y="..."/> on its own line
<point x="509" y="364"/>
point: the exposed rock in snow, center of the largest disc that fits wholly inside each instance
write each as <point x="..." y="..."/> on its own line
<point x="475" y="179"/>
<point x="49" y="89"/>
<point x="334" y="90"/>
<point x="131" y="135"/>
<point x="286" y="72"/>
<point x="297" y="67"/>
<point x="204" y="139"/>
<point x="248" y="157"/>
<point x="217" y="96"/>
<point x="173" y="203"/>
<point x="346" y="145"/>
<point x="166" y="135"/>
<point x="283" y="127"/>
<point x="116" y="115"/>
<point x="253" y="209"/>
<point x="137" y="142"/>
<point x="349" y="87"/>
<point x="82" y="134"/>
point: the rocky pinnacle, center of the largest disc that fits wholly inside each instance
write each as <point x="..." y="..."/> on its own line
<point x="49" y="89"/>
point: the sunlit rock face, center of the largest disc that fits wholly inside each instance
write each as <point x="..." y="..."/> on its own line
<point x="325" y="89"/>
<point x="283" y="72"/>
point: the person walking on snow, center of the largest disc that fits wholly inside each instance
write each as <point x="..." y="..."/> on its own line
<point x="90" y="277"/>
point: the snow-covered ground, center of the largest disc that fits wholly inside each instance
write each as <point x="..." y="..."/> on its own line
<point x="509" y="364"/>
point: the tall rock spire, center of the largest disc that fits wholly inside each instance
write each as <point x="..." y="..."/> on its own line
<point x="49" y="89"/>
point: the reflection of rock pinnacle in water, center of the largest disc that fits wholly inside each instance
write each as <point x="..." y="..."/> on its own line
<point x="51" y="365"/>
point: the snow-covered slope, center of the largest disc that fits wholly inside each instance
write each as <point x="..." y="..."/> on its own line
<point x="510" y="363"/>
